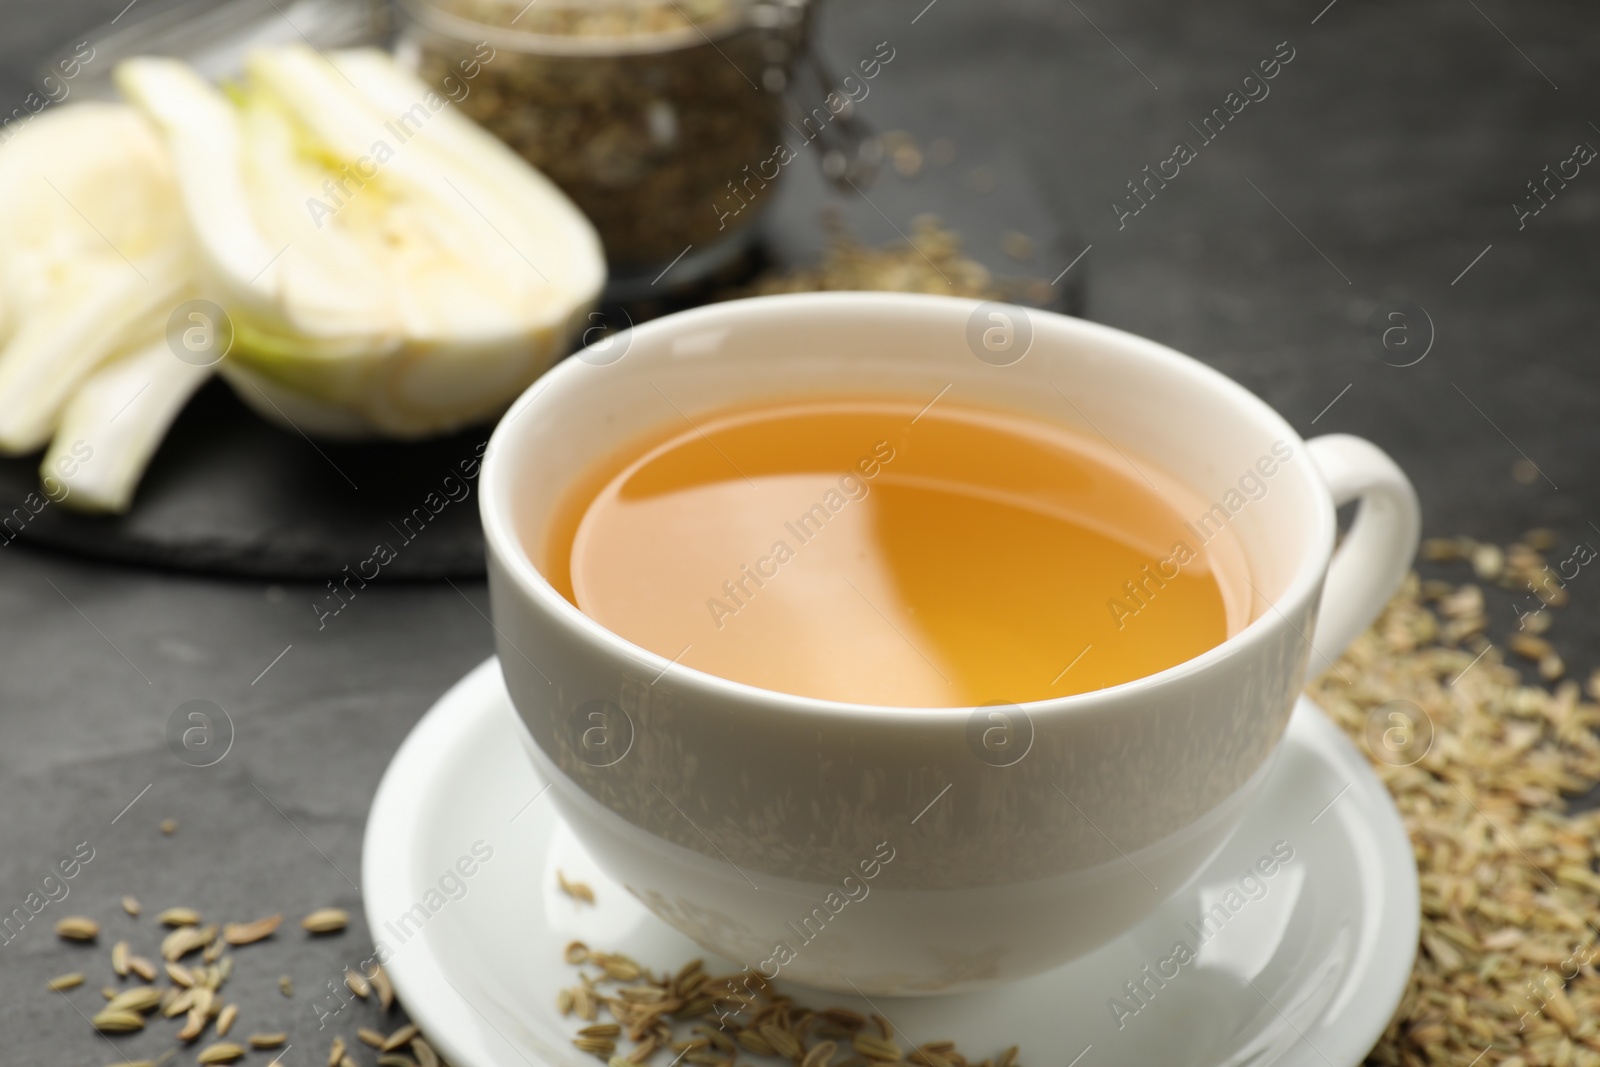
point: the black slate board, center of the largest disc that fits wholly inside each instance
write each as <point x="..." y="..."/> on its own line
<point x="230" y="493"/>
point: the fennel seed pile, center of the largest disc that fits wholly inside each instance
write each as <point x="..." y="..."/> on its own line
<point x="1505" y="971"/>
<point x="197" y="961"/>
<point x="931" y="260"/>
<point x="704" y="1020"/>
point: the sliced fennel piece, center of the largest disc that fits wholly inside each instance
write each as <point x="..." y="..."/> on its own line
<point x="410" y="274"/>
<point x="93" y="251"/>
<point x="64" y="339"/>
<point x="205" y="159"/>
<point x="116" y="419"/>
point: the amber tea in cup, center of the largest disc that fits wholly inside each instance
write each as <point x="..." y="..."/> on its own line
<point x="893" y="552"/>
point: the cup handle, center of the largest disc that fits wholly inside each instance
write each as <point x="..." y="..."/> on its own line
<point x="1380" y="546"/>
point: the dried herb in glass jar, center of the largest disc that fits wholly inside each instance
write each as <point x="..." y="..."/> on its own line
<point x="652" y="115"/>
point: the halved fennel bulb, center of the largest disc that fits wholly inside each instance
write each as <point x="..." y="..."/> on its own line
<point x="388" y="266"/>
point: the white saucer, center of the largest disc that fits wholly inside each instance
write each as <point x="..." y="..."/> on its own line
<point x="1305" y="972"/>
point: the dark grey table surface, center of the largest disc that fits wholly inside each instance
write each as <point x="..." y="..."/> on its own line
<point x="1384" y="165"/>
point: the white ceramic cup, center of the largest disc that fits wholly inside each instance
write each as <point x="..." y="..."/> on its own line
<point x="888" y="850"/>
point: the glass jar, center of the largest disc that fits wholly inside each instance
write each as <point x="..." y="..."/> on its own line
<point x="661" y="119"/>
